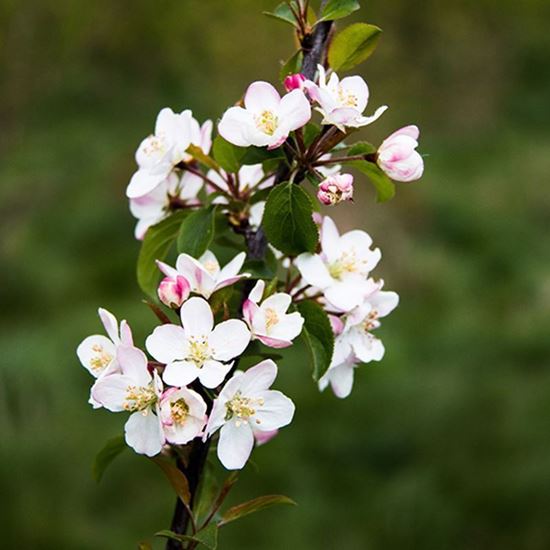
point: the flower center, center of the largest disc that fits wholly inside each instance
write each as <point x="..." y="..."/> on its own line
<point x="155" y="145"/>
<point x="271" y="318"/>
<point x="179" y="411"/>
<point x="242" y="408"/>
<point x="199" y="350"/>
<point x="371" y="321"/>
<point x="347" y="263"/>
<point x="347" y="98"/>
<point x="101" y="358"/>
<point x="139" y="398"/>
<point x="267" y="122"/>
<point x="211" y="266"/>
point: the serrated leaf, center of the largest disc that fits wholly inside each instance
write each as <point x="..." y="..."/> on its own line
<point x="292" y="65"/>
<point x="288" y="223"/>
<point x="353" y="45"/>
<point x="197" y="231"/>
<point x="318" y="336"/>
<point x="385" y="188"/>
<point x="207" y="537"/>
<point x="337" y="9"/>
<point x="155" y="246"/>
<point x="197" y="153"/>
<point x="283" y="13"/>
<point x="361" y="148"/>
<point x="175" y="476"/>
<point x="110" y="451"/>
<point x="252" y="506"/>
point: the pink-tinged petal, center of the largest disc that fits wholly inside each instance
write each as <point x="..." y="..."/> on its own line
<point x="190" y="185"/>
<point x="110" y="391"/>
<point x="313" y="270"/>
<point x="96" y="353"/>
<point x="273" y="342"/>
<point x="169" y="271"/>
<point x="410" y="131"/>
<point x="262" y="438"/>
<point x="206" y="136"/>
<point x="229" y="339"/>
<point x="276" y="412"/>
<point x="213" y="373"/>
<point x="277" y="140"/>
<point x="336" y="324"/>
<point x="294" y="110"/>
<point x="341" y="380"/>
<point x="257" y="291"/>
<point x="384" y="302"/>
<point x="366" y="347"/>
<point x="180" y="373"/>
<point x="167" y="343"/>
<point x="229" y="282"/>
<point x="110" y="323"/>
<point x="261" y="96"/>
<point x="183" y="431"/>
<point x="235" y="126"/>
<point x="143" y="433"/>
<point x="126" y="338"/>
<point x="257" y="378"/>
<point x="197" y="318"/>
<point x="133" y="363"/>
<point x="144" y="182"/>
<point x="366" y="120"/>
<point x="250" y="310"/>
<point x="235" y="445"/>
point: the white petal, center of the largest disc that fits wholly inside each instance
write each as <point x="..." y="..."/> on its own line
<point x="358" y="87"/>
<point x="257" y="291"/>
<point x="144" y="182"/>
<point x="280" y="302"/>
<point x="143" y="433"/>
<point x="257" y="378"/>
<point x="96" y="353"/>
<point x="110" y="323"/>
<point x="313" y="270"/>
<point x="110" y="391"/>
<point x="133" y="363"/>
<point x="180" y="373"/>
<point x="276" y="412"/>
<point x="235" y="126"/>
<point x="232" y="268"/>
<point x="261" y="96"/>
<point x="196" y="317"/>
<point x="213" y="373"/>
<point x="366" y="346"/>
<point x="330" y="240"/>
<point x="217" y="416"/>
<point x="229" y="339"/>
<point x="384" y="302"/>
<point x="167" y="343"/>
<point x="366" y="120"/>
<point x="126" y="338"/>
<point x="235" y="445"/>
<point x="294" y="110"/>
<point x="346" y="295"/>
<point x="341" y="380"/>
<point x="288" y="328"/>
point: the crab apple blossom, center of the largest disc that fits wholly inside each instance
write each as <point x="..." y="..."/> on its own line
<point x="398" y="157"/>
<point x="153" y="207"/>
<point x="173" y="291"/>
<point x="342" y="102"/>
<point x="266" y="119"/>
<point x="244" y="406"/>
<point x="335" y="189"/>
<point x="340" y="271"/>
<point x="294" y="81"/>
<point x="341" y="371"/>
<point x="205" y="275"/>
<point x="197" y="349"/>
<point x="134" y="390"/>
<point x="268" y="320"/>
<point x="183" y="415"/>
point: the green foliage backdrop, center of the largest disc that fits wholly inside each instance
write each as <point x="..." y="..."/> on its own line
<point x="446" y="444"/>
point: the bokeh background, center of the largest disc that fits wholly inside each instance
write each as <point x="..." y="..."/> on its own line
<point x="446" y="443"/>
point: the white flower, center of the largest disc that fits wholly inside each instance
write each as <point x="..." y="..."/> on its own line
<point x="136" y="391"/>
<point x="183" y="415"/>
<point x="153" y="207"/>
<point x="97" y="353"/>
<point x="201" y="136"/>
<point x="398" y="157"/>
<point x="340" y="373"/>
<point x="266" y="119"/>
<point x="269" y="321"/>
<point x="246" y="405"/>
<point x="342" y="102"/>
<point x="342" y="268"/>
<point x="198" y="350"/>
<point x="205" y="275"/>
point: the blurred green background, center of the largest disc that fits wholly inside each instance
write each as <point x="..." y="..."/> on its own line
<point x="446" y="443"/>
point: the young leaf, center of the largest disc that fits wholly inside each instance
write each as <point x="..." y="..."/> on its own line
<point x="202" y="157"/>
<point x="228" y="156"/>
<point x="110" y="451"/>
<point x="197" y="231"/>
<point x="361" y="148"/>
<point x="353" y="45"/>
<point x="292" y="65"/>
<point x="283" y="13"/>
<point x="156" y="244"/>
<point x="288" y="222"/>
<point x="207" y="537"/>
<point x="385" y="188"/>
<point x="175" y="476"/>
<point x="252" y="506"/>
<point x="336" y="9"/>
<point x="318" y="336"/>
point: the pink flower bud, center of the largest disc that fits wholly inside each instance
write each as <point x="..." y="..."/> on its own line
<point x="336" y="189"/>
<point x="173" y="291"/>
<point x="294" y="81"/>
<point x="263" y="437"/>
<point x="398" y="157"/>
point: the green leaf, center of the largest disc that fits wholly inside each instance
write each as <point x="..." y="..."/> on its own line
<point x="311" y="131"/>
<point x="292" y="65"/>
<point x="361" y="148"/>
<point x="337" y="9"/>
<point x="110" y="451"/>
<point x="252" y="506"/>
<point x="207" y="537"/>
<point x="258" y="269"/>
<point x="227" y="155"/>
<point x="197" y="231"/>
<point x="175" y="476"/>
<point x="197" y="153"/>
<point x="255" y="155"/>
<point x="385" y="188"/>
<point x="156" y="244"/>
<point x="317" y="335"/>
<point x="283" y="13"/>
<point x="353" y="45"/>
<point x="288" y="222"/>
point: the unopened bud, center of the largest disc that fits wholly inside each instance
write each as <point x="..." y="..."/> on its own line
<point x="336" y="189"/>
<point x="294" y="82"/>
<point x="173" y="291"/>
